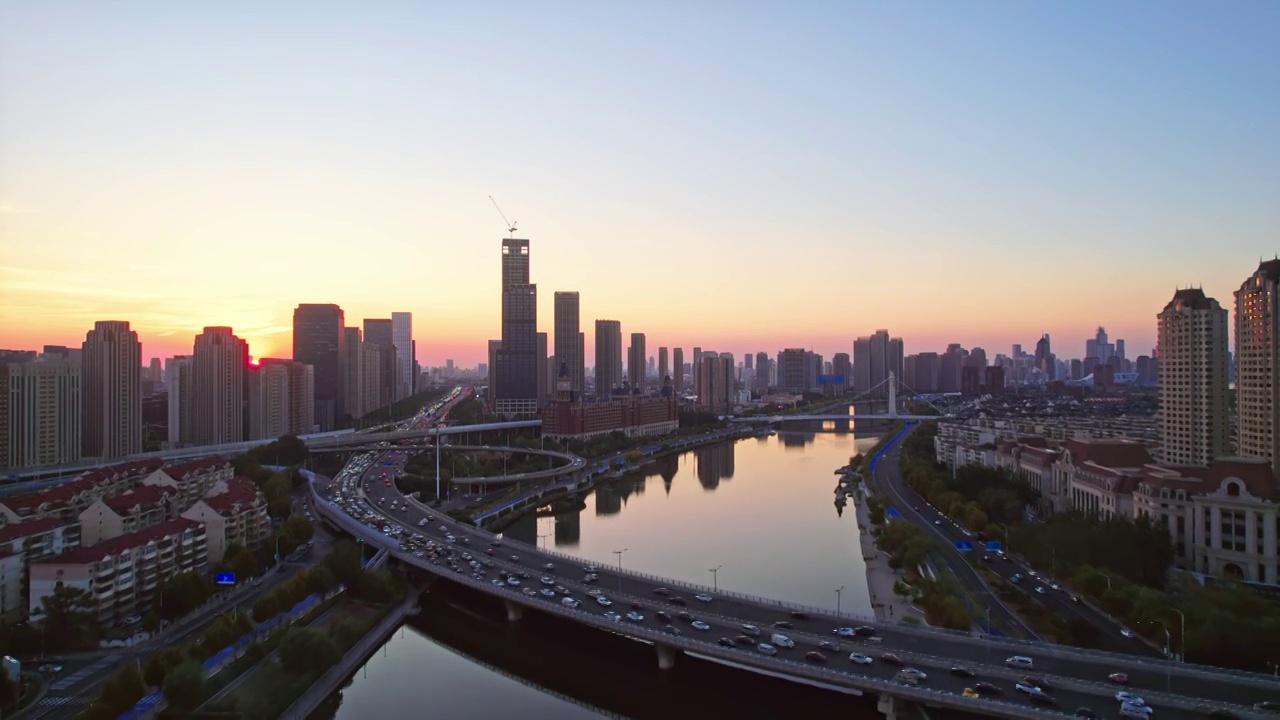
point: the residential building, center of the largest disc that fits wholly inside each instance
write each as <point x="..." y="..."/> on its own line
<point x="1193" y="345"/>
<point x="402" y="339"/>
<point x="842" y="368"/>
<point x="123" y="574"/>
<point x="40" y="422"/>
<point x="282" y="400"/>
<point x="13" y="577"/>
<point x="111" y="391"/>
<point x="517" y="364"/>
<point x="715" y="384"/>
<point x="24" y="543"/>
<point x="636" y="355"/>
<point x="793" y="370"/>
<point x="138" y="509"/>
<point x="192" y="478"/>
<point x="220" y="362"/>
<point x="608" y="357"/>
<point x="179" y="380"/>
<point x="1258" y="364"/>
<point x="374" y="366"/>
<point x="234" y="512"/>
<point x="632" y="415"/>
<point x="568" y="338"/>
<point x="664" y="370"/>
<point x="66" y="500"/>
<point x="318" y="341"/>
<point x="874" y="359"/>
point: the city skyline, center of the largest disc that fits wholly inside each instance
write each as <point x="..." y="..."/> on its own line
<point x="189" y="198"/>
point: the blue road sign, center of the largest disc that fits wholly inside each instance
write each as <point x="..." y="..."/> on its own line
<point x="964" y="546"/>
<point x="831" y="379"/>
<point x="993" y="545"/>
<point x="893" y="512"/>
<point x="225" y="579"/>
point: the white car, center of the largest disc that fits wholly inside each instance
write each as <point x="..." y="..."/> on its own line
<point x="634" y="616"/>
<point x="547" y="581"/>
<point x="846" y="632"/>
<point x="603" y="601"/>
<point x="549" y="566"/>
<point x="613" y="616"/>
<point x="569" y="603"/>
<point x="595" y="592"/>
<point x="548" y="592"/>
<point x="1125" y="696"/>
<point x="513" y="582"/>
<point x="860" y="659"/>
<point x="915" y="673"/>
<point x="1027" y="688"/>
<point x="767" y="649"/>
<point x="699" y="625"/>
<point x="702" y="598"/>
<point x="750" y="629"/>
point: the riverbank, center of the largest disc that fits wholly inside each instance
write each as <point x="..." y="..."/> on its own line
<point x="888" y="605"/>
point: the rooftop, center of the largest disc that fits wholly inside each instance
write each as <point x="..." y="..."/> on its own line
<point x="180" y="470"/>
<point x="128" y="541"/>
<point x="14" y="531"/>
<point x="1109" y="453"/>
<point x="240" y="491"/>
<point x="145" y="496"/>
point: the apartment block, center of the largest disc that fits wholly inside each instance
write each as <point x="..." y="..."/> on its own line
<point x="69" y="499"/>
<point x="142" y="507"/>
<point x="234" y="511"/>
<point x="192" y="478"/>
<point x="1258" y="364"/>
<point x="1193" y="343"/>
<point x="40" y="422"/>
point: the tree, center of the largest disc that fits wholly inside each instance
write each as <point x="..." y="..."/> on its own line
<point x="184" y="687"/>
<point x="344" y="561"/>
<point x="162" y="662"/>
<point x="277" y="489"/>
<point x="320" y="579"/>
<point x="70" y="619"/>
<point x="182" y="593"/>
<point x="298" y="529"/>
<point x="305" y="650"/>
<point x="242" y="561"/>
<point x="123" y="689"/>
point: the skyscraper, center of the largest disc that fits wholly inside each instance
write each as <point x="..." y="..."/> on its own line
<point x="608" y="357"/>
<point x="793" y="370"/>
<point x="179" y="379"/>
<point x="567" y="340"/>
<point x="677" y="378"/>
<point x="1193" y="347"/>
<point x="353" y="372"/>
<point x="282" y="398"/>
<point x="715" y="383"/>
<point x="762" y="371"/>
<point x="1258" y="364"/>
<point x="636" y="363"/>
<point x="40" y="408"/>
<point x="541" y="354"/>
<point x="402" y="338"/>
<point x="380" y="332"/>
<point x="1044" y="357"/>
<point x="219" y="361"/>
<point x="111" y="391"/>
<point x="318" y="341"/>
<point x="517" y="363"/>
<point x="842" y="366"/>
<point x="663" y="370"/>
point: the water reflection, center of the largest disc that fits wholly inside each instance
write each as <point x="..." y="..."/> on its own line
<point x="715" y="463"/>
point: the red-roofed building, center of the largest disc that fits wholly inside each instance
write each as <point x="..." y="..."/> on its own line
<point x="29" y="542"/>
<point x="138" y="509"/>
<point x="192" y="478"/>
<point x="1099" y="475"/>
<point x="68" y="499"/>
<point x="124" y="573"/>
<point x="234" y="511"/>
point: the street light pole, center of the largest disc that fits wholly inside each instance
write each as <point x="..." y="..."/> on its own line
<point x="619" y="554"/>
<point x="838" y="591"/>
<point x="1182" y="637"/>
<point x="715" y="581"/>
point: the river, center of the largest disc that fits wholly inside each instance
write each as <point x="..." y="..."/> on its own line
<point x="760" y="510"/>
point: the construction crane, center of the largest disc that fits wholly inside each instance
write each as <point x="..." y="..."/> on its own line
<point x="511" y="226"/>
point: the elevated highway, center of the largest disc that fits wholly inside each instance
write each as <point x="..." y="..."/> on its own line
<point x="1076" y="678"/>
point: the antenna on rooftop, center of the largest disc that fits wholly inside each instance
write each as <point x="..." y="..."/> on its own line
<point x="511" y="226"/>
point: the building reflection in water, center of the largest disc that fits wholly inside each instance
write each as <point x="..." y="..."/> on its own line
<point x="666" y="468"/>
<point x="796" y="439"/>
<point x="524" y="529"/>
<point x="715" y="463"/>
<point x="568" y="528"/>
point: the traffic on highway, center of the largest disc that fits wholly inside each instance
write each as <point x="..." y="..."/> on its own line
<point x="954" y="663"/>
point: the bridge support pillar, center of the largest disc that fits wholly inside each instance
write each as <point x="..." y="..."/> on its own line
<point x="888" y="706"/>
<point x="515" y="611"/>
<point x="667" y="656"/>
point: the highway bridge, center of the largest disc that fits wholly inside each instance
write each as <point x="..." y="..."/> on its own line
<point x="1076" y="678"/>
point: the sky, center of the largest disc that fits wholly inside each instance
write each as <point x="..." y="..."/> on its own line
<point x="740" y="176"/>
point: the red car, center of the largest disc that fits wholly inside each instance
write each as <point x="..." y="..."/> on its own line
<point x="815" y="656"/>
<point x="1119" y="678"/>
<point x="891" y="659"/>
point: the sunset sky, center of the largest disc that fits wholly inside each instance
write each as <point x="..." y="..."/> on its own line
<point x="740" y="176"/>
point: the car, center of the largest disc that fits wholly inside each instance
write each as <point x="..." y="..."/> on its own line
<point x="744" y="640"/>
<point x="906" y="678"/>
<point x="860" y="659"/>
<point x="798" y="615"/>
<point x="891" y="659"/>
<point x="603" y="601"/>
<point x="1026" y="688"/>
<point x="515" y="558"/>
<point x="1016" y="578"/>
<point x="1021" y="662"/>
<point x="1084" y="712"/>
<point x="916" y="672"/>
<point x="671" y="629"/>
<point x="570" y="603"/>
<point x="725" y="642"/>
<point x="767" y="649"/>
<point x="1125" y="696"/>
<point x="784" y="625"/>
<point x="549" y="566"/>
<point x="986" y="688"/>
<point x="1040" y="589"/>
<point x="1041" y="697"/>
<point x="661" y="591"/>
<point x="962" y="672"/>
<point x="1265" y="706"/>
<point x="750" y="629"/>
<point x="1118" y="678"/>
<point x="513" y="581"/>
<point x="971" y="693"/>
<point x="495" y="582"/>
<point x="815" y="656"/>
<point x="595" y="592"/>
<point x="828" y="646"/>
<point x="1055" y="586"/>
<point x="702" y="598"/>
<point x="938" y="523"/>
<point x="1037" y="681"/>
<point x="684" y="616"/>
<point x="987" y="559"/>
<point x="547" y="580"/>
<point x="662" y="617"/>
<point x="845" y="632"/>
<point x="864" y="631"/>
<point x="530" y="592"/>
<point x="613" y="616"/>
<point x="548" y="592"/>
<point x="677" y="601"/>
<point x="1126" y="632"/>
<point x="699" y="625"/>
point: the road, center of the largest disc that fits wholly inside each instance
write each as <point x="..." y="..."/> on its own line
<point x="915" y="509"/>
<point x="366" y="493"/>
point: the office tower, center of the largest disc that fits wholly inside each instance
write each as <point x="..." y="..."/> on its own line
<point x="875" y="358"/>
<point x="1017" y="351"/>
<point x="1044" y="357"/>
<point x="517" y="363"/>
<point x="949" y="366"/>
<point x="543" y="387"/>
<point x="697" y="367"/>
<point x="282" y="398"/>
<point x="582" y="360"/>
<point x="893" y="362"/>
<point x="762" y="372"/>
<point x="664" y="370"/>
<point x="792" y="369"/>
<point x="318" y="341"/>
<point x="1119" y="351"/>
<point x="608" y="357"/>
<point x="1077" y="369"/>
<point x="40" y="408"/>
<point x="353" y="372"/>
<point x="1258" y="364"/>
<point x="977" y="358"/>
<point x="993" y="379"/>
<point x="154" y="372"/>
<point x="928" y="369"/>
<point x="1193" y="378"/>
<point x="747" y="359"/>
<point x="635" y="363"/>
<point x="402" y="339"/>
<point x="375" y="367"/>
<point x="677" y="377"/>
<point x="220" y="361"/>
<point x="380" y="332"/>
<point x="842" y="367"/>
<point x="111" y="391"/>
<point x="812" y="369"/>
<point x="179" y="378"/>
<point x="715" y="383"/>
<point x="568" y="337"/>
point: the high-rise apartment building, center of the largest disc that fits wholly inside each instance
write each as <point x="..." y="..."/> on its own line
<point x="402" y="338"/>
<point x="379" y="332"/>
<point x="874" y="359"/>
<point x="517" y="362"/>
<point x="1193" y="345"/>
<point x="567" y="342"/>
<point x="677" y="376"/>
<point x="715" y="383"/>
<point x="793" y="370"/>
<point x="636" y="363"/>
<point x="318" y="341"/>
<point x="40" y="408"/>
<point x="179" y="380"/>
<point x="220" y="361"/>
<point x="1258" y="364"/>
<point x="608" y="357"/>
<point x="111" y="391"/>
<point x="762" y="371"/>
<point x="374" y="366"/>
<point x="281" y="398"/>
<point x="842" y="366"/>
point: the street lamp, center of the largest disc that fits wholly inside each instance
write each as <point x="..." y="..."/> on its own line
<point x="838" y="591"/>
<point x="715" y="582"/>
<point x="1168" y="668"/>
<point x="1108" y="577"/>
<point x="619" y="554"/>
<point x="1182" y="636"/>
